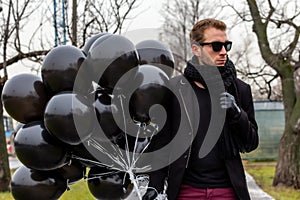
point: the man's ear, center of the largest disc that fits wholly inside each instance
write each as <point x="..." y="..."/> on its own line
<point x="196" y="50"/>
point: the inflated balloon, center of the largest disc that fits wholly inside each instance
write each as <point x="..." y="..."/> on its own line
<point x="37" y="149"/>
<point x="62" y="113"/>
<point x="156" y="53"/>
<point x="83" y="155"/>
<point x="111" y="56"/>
<point x="24" y="97"/>
<point x="105" y="183"/>
<point x="106" y="111"/>
<point x="36" y="185"/>
<point x="60" y="68"/>
<point x="152" y="90"/>
<point x="72" y="172"/>
<point x="90" y="41"/>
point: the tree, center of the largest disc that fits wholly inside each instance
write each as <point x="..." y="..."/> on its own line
<point x="179" y="19"/>
<point x="284" y="58"/>
<point x="27" y="36"/>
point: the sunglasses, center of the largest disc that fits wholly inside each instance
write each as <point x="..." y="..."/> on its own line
<point x="217" y="46"/>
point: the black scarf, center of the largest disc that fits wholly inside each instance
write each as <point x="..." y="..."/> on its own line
<point x="227" y="142"/>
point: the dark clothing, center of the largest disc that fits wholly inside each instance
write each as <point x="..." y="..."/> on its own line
<point x="210" y="171"/>
<point x="184" y="121"/>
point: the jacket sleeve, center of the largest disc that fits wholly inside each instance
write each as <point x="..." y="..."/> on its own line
<point x="161" y="139"/>
<point x="157" y="178"/>
<point x="246" y="130"/>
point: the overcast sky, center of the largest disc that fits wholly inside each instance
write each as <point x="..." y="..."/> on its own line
<point x="142" y="27"/>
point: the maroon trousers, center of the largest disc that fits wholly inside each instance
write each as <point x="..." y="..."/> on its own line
<point x="191" y="193"/>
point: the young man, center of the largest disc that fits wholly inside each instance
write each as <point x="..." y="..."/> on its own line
<point x="219" y="173"/>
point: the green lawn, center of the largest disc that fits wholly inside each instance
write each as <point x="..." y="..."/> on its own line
<point x="263" y="173"/>
<point x="78" y="191"/>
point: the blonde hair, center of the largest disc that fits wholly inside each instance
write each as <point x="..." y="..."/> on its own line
<point x="197" y="32"/>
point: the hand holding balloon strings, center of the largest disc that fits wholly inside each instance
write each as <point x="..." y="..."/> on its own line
<point x="124" y="162"/>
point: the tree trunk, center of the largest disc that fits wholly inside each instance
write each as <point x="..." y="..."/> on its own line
<point x="4" y="165"/>
<point x="74" y="23"/>
<point x="287" y="169"/>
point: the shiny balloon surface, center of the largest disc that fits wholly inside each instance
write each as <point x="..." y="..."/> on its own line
<point x="60" y="68"/>
<point x="106" y="111"/>
<point x="36" y="185"/>
<point x="110" y="57"/>
<point x="63" y="111"/>
<point x="36" y="148"/>
<point x="152" y="90"/>
<point x="24" y="97"/>
<point x="156" y="53"/>
<point x="105" y="183"/>
<point x="90" y="41"/>
<point x="73" y="171"/>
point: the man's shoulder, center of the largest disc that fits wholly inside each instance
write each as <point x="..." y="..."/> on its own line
<point x="242" y="85"/>
<point x="241" y="82"/>
<point x="177" y="79"/>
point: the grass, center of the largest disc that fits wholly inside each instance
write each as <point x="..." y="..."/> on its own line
<point x="263" y="173"/>
<point x="77" y="191"/>
<point x="6" y="196"/>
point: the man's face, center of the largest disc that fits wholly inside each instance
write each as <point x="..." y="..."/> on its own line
<point x="215" y="35"/>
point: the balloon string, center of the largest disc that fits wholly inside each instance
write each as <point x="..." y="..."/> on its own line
<point x="135" y="185"/>
<point x="96" y="176"/>
<point x="91" y="161"/>
<point x="125" y="127"/>
<point x="148" y="143"/>
<point x="116" y="159"/>
<point x="135" y="146"/>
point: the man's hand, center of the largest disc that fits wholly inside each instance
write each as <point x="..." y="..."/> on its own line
<point x="227" y="102"/>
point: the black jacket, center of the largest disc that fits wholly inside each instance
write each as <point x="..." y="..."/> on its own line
<point x="245" y="132"/>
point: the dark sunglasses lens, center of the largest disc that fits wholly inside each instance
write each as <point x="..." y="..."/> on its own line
<point x="217" y="46"/>
<point x="228" y="45"/>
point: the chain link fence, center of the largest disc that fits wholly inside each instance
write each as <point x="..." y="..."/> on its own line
<point x="270" y="120"/>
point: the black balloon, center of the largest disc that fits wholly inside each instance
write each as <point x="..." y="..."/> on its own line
<point x="24" y="97"/>
<point x="60" y="68"/>
<point x="83" y="155"/>
<point x="69" y="116"/>
<point x="105" y="183"/>
<point x="156" y="53"/>
<point x="36" y="148"/>
<point x="106" y="111"/>
<point x="36" y="185"/>
<point x="72" y="172"/>
<point x="152" y="90"/>
<point x="110" y="57"/>
<point x="90" y="41"/>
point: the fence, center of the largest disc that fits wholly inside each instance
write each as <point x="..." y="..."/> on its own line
<point x="270" y="120"/>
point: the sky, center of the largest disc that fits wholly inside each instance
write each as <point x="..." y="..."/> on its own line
<point x="144" y="26"/>
<point x="148" y="15"/>
<point x="147" y="22"/>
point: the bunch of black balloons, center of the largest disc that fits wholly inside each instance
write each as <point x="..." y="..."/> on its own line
<point x="87" y="108"/>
